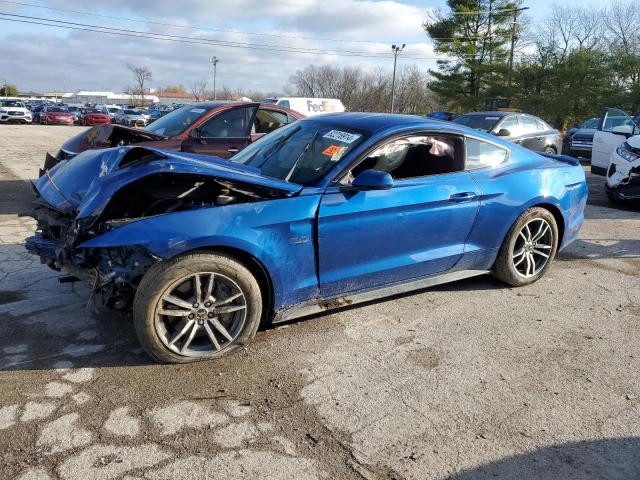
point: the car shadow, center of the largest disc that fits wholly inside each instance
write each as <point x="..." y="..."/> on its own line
<point x="610" y="459"/>
<point x="600" y="249"/>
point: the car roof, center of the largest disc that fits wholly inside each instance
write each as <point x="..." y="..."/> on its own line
<point x="374" y="121"/>
<point x="489" y="113"/>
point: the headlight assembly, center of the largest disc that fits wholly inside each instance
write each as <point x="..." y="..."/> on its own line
<point x="626" y="152"/>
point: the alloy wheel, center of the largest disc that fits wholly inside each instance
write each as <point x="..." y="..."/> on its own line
<point x="533" y="247"/>
<point x="200" y="314"/>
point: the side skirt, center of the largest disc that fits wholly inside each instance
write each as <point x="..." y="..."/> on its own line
<point x="323" y="305"/>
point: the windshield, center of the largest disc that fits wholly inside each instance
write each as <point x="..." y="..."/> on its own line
<point x="11" y="103"/>
<point x="132" y="112"/>
<point x="113" y="109"/>
<point x="177" y="121"/>
<point x="56" y="109"/>
<point x="301" y="152"/>
<point x="592" y="123"/>
<point x="484" y="123"/>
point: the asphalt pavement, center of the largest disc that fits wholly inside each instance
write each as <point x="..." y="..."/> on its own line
<point x="469" y="380"/>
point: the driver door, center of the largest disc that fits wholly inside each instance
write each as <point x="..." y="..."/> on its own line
<point x="605" y="140"/>
<point x="222" y="135"/>
<point x="418" y="227"/>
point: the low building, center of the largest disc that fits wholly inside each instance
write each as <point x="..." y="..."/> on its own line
<point x="174" y="97"/>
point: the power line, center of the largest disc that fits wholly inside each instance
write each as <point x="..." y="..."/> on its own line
<point x="222" y="30"/>
<point x="194" y="27"/>
<point x="192" y="40"/>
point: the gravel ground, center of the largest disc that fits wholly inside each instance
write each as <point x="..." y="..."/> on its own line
<point x="464" y="381"/>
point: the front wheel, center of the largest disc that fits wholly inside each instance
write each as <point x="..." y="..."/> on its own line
<point x="528" y="248"/>
<point x="196" y="307"/>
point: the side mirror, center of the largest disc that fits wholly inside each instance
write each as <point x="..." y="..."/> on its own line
<point x="371" y="180"/>
<point x="504" y="132"/>
<point x="626" y="130"/>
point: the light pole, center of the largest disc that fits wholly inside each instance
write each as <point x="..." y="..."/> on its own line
<point x="396" y="51"/>
<point x="513" y="43"/>
<point x="214" y="61"/>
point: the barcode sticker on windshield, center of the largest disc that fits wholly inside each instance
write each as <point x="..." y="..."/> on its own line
<point x="343" y="137"/>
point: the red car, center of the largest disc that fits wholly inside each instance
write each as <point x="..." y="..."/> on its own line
<point x="51" y="115"/>
<point x="95" y="117"/>
<point x="211" y="128"/>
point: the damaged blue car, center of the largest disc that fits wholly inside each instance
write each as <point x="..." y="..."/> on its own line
<point x="322" y="213"/>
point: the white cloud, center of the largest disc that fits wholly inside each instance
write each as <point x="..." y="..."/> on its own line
<point x="89" y="60"/>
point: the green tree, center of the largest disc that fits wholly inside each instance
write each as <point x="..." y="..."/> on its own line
<point x="476" y="37"/>
<point x="567" y="89"/>
<point x="9" y="90"/>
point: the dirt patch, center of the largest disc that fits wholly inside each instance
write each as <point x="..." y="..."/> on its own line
<point x="427" y="357"/>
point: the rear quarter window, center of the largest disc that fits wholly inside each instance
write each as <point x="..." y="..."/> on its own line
<point x="483" y="154"/>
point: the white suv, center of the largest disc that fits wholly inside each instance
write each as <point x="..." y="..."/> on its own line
<point x="14" y="111"/>
<point x="616" y="154"/>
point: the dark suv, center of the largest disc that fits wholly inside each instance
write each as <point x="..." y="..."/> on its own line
<point x="521" y="128"/>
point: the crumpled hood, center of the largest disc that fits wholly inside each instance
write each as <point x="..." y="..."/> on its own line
<point x="84" y="184"/>
<point x="634" y="141"/>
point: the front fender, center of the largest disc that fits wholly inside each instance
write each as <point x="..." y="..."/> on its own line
<point x="278" y="233"/>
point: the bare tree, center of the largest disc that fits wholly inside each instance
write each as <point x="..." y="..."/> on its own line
<point x="366" y="91"/>
<point x="199" y="90"/>
<point x="622" y="19"/>
<point x="141" y="75"/>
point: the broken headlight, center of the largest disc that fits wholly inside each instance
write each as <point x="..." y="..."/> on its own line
<point x="626" y="152"/>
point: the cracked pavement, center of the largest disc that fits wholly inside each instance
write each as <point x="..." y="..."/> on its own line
<point x="464" y="381"/>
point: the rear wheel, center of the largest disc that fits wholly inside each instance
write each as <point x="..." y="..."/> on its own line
<point x="196" y="307"/>
<point x="528" y="249"/>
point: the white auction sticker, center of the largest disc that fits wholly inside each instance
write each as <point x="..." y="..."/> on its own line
<point x="197" y="110"/>
<point x="343" y="137"/>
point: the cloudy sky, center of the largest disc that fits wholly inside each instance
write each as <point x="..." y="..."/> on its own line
<point x="259" y="37"/>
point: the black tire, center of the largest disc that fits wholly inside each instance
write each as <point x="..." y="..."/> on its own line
<point x="161" y="276"/>
<point x="613" y="198"/>
<point x="504" y="269"/>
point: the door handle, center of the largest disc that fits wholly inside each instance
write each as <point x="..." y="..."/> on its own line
<point x="233" y="150"/>
<point x="462" y="197"/>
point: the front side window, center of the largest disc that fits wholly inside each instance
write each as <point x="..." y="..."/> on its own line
<point x="512" y="124"/>
<point x="267" y="121"/>
<point x="617" y="118"/>
<point x="482" y="154"/>
<point x="415" y="156"/>
<point x="230" y="124"/>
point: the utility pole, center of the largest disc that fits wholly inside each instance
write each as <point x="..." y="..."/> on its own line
<point x="514" y="38"/>
<point x="396" y="51"/>
<point x="214" y="61"/>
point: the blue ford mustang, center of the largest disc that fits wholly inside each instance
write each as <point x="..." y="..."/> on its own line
<point x="322" y="213"/>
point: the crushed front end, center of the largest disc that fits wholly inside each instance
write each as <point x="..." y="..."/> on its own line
<point x="623" y="174"/>
<point x="113" y="273"/>
<point x="82" y="199"/>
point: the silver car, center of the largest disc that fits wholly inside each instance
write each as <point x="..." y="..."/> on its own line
<point x="131" y="118"/>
